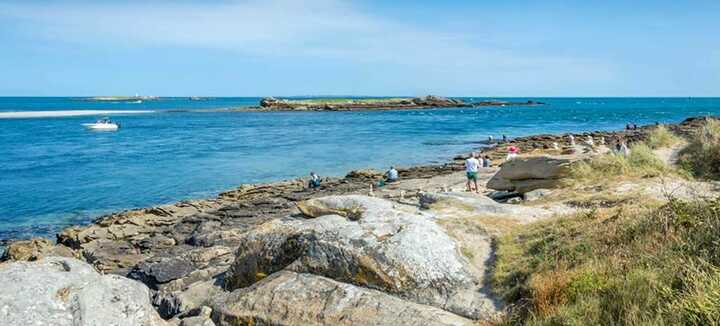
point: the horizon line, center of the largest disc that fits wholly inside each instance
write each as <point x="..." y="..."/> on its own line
<point x="363" y="96"/>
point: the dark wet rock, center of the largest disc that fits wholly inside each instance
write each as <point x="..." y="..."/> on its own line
<point x="503" y="195"/>
<point x="161" y="270"/>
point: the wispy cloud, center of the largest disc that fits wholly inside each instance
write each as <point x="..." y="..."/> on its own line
<point x="332" y="29"/>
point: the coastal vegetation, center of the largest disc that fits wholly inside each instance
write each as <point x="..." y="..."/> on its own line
<point x="644" y="264"/>
<point x="661" y="137"/>
<point x="640" y="163"/>
<point x="702" y="155"/>
<point x="636" y="260"/>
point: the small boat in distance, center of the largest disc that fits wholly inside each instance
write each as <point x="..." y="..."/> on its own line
<point x="102" y="124"/>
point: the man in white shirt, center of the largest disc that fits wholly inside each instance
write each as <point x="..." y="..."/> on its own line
<point x="391" y="175"/>
<point x="472" y="165"/>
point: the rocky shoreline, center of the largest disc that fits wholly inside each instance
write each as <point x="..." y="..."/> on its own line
<point x="425" y="102"/>
<point x="279" y="253"/>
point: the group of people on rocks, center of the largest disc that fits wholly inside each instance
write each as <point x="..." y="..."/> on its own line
<point x="475" y="162"/>
<point x="619" y="146"/>
<point x="390" y="176"/>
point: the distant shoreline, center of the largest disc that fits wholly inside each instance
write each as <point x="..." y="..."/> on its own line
<point x="65" y="113"/>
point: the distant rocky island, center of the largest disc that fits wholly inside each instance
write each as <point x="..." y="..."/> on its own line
<point x="122" y="98"/>
<point x="353" y="104"/>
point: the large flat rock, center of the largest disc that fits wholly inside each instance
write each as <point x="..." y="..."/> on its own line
<point x="289" y="298"/>
<point x="65" y="291"/>
<point x="525" y="174"/>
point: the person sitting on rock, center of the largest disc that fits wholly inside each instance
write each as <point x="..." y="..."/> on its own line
<point x="391" y="175"/>
<point x="314" y="181"/>
<point x="487" y="162"/>
<point x="472" y="165"/>
<point x="624" y="150"/>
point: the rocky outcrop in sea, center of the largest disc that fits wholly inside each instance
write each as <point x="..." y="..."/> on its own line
<point x="424" y="102"/>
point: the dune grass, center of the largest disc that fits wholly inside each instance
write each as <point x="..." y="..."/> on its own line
<point x="620" y="261"/>
<point x="641" y="163"/>
<point x="661" y="137"/>
<point x="646" y="264"/>
<point x="701" y="157"/>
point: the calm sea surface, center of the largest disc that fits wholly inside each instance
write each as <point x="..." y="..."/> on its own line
<point x="55" y="173"/>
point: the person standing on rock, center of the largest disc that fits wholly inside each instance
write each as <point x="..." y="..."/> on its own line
<point x="472" y="165"/>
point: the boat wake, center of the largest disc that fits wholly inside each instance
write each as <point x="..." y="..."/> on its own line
<point x="65" y="113"/>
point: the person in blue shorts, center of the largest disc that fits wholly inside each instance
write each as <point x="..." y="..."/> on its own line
<point x="472" y="165"/>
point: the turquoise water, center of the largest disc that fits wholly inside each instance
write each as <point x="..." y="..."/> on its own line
<point x="54" y="173"/>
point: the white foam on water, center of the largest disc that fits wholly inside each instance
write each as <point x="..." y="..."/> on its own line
<point x="65" y="113"/>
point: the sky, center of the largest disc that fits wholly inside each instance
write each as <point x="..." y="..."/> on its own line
<point x="374" y="47"/>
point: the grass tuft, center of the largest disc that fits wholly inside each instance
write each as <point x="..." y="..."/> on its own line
<point x="701" y="157"/>
<point x="661" y="137"/>
<point x="644" y="264"/>
<point x="641" y="162"/>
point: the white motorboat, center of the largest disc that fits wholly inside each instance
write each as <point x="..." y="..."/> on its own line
<point x="102" y="124"/>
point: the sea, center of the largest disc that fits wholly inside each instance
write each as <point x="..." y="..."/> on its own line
<point x="54" y="172"/>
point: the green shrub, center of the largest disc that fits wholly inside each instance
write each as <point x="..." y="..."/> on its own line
<point x="701" y="157"/>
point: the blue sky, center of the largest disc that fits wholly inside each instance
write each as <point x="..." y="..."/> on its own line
<point x="334" y="47"/>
